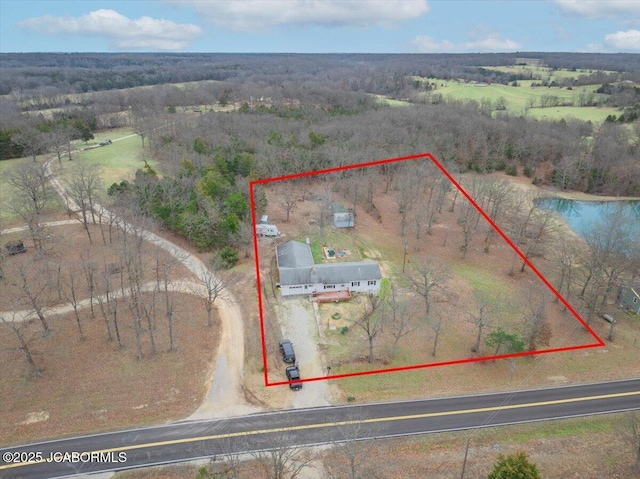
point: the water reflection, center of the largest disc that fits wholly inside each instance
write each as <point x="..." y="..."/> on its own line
<point x="581" y="216"/>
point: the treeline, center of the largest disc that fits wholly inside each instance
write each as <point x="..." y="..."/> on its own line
<point x="28" y="73"/>
<point x="330" y="129"/>
<point x="206" y="200"/>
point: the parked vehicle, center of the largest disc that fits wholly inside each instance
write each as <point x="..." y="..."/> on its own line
<point x="286" y="349"/>
<point x="15" y="247"/>
<point x="293" y="375"/>
<point x="105" y="142"/>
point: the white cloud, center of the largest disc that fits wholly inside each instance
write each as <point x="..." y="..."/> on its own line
<point x="627" y="10"/>
<point x="144" y="33"/>
<point x="484" y="41"/>
<point x="260" y="15"/>
<point x="628" y="41"/>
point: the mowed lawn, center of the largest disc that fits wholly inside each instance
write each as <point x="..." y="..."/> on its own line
<point x="518" y="99"/>
<point x="119" y="160"/>
<point x="544" y="73"/>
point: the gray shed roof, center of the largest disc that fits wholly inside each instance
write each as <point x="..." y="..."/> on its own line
<point x="335" y="273"/>
<point x="294" y="254"/>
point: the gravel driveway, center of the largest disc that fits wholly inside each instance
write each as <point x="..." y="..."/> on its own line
<point x="298" y="324"/>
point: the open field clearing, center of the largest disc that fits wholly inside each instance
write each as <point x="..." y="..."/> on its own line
<point x="526" y="100"/>
<point x="544" y="73"/>
<point x="119" y="160"/>
<point x="585" y="113"/>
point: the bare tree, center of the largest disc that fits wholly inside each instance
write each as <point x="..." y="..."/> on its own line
<point x="32" y="140"/>
<point x="288" y="200"/>
<point x="33" y="291"/>
<point x="25" y="341"/>
<point x="436" y="323"/>
<point x="409" y="184"/>
<point x="371" y="322"/>
<point x="427" y="279"/>
<point x="281" y="459"/>
<point x="481" y="317"/>
<point x="350" y="456"/>
<point x="72" y="297"/>
<point x="82" y="187"/>
<point x="59" y="140"/>
<point x="533" y="310"/>
<point x="32" y="196"/>
<point x="215" y="288"/>
<point x="164" y="269"/>
<point x="400" y="320"/>
<point x="610" y="244"/>
<point x="630" y="433"/>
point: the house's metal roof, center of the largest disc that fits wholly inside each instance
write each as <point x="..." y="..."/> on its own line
<point x="296" y="266"/>
<point x="294" y="254"/>
<point x="343" y="220"/>
<point x="336" y="273"/>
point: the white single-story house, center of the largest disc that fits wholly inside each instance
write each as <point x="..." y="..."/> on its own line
<point x="630" y="298"/>
<point x="300" y="275"/>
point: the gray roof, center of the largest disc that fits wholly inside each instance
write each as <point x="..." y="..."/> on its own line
<point x="338" y="208"/>
<point x="335" y="273"/>
<point x="343" y="220"/>
<point x="295" y="264"/>
<point x="293" y="254"/>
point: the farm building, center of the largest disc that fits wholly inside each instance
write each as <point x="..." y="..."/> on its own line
<point x="342" y="217"/>
<point x="630" y="298"/>
<point x="300" y="275"/>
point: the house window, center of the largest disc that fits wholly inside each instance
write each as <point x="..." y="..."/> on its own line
<point x="371" y="283"/>
<point x="329" y="286"/>
<point x="355" y="283"/>
<point x="635" y="300"/>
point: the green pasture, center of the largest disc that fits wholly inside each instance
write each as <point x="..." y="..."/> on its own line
<point x="119" y="160"/>
<point x="524" y="99"/>
<point x="543" y="73"/>
<point x="593" y="114"/>
<point x="391" y="102"/>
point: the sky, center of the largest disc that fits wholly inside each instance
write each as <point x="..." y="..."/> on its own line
<point x="320" y="26"/>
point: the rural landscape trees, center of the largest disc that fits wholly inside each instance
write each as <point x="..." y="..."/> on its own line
<point x="454" y="285"/>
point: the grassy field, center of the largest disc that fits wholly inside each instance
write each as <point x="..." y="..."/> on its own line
<point x="120" y="160"/>
<point x="517" y="98"/>
<point x="589" y="113"/>
<point x="543" y="73"/>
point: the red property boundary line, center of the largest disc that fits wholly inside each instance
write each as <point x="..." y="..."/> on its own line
<point x="252" y="184"/>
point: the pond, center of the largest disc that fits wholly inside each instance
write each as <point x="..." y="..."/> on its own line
<point x="582" y="215"/>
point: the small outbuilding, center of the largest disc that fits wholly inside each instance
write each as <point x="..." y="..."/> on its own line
<point x="342" y="217"/>
<point x="629" y="298"/>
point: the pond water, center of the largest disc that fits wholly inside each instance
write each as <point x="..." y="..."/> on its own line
<point x="582" y="215"/>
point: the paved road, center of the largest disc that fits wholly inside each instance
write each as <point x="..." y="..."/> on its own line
<point x="188" y="440"/>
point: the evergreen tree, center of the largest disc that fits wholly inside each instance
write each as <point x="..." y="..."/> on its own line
<point x="514" y="466"/>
